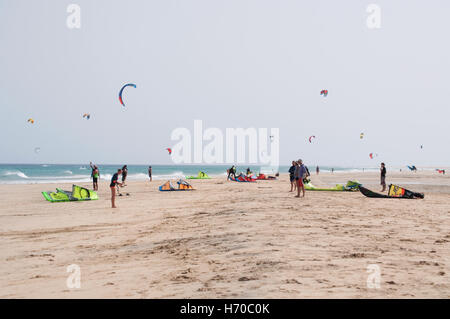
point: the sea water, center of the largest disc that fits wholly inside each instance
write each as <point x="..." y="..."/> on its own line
<point x="73" y="173"/>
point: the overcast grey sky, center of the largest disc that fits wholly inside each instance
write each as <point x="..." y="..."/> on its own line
<point x="238" y="63"/>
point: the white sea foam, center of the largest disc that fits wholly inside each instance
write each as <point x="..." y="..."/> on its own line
<point x="137" y="177"/>
<point x="105" y="176"/>
<point x="17" y="173"/>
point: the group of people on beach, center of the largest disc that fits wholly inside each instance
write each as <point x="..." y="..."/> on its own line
<point x="115" y="184"/>
<point x="232" y="172"/>
<point x="298" y="174"/>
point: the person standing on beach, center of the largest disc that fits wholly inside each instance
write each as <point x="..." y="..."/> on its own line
<point x="150" y="173"/>
<point x="232" y="171"/>
<point x="307" y="173"/>
<point x="95" y="176"/>
<point x="300" y="174"/>
<point x="332" y="170"/>
<point x="114" y="183"/>
<point x="291" y="177"/>
<point x="383" y="177"/>
<point x="317" y="170"/>
<point x="124" y="174"/>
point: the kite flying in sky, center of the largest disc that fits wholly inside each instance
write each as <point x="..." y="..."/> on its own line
<point x="324" y="93"/>
<point x="121" y="90"/>
<point x="169" y="150"/>
<point x="311" y="137"/>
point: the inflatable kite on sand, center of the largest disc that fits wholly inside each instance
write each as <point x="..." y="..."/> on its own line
<point x="121" y="91"/>
<point x="394" y="192"/>
<point x="349" y="187"/>
<point x="201" y="175"/>
<point x="182" y="186"/>
<point x="243" y="178"/>
<point x="78" y="193"/>
<point x="263" y="177"/>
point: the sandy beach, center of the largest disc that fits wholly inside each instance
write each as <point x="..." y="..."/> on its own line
<point x="229" y="240"/>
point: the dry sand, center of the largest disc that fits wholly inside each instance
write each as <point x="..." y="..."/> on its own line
<point x="229" y="240"/>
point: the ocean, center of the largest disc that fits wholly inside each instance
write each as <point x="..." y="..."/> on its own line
<point x="73" y="173"/>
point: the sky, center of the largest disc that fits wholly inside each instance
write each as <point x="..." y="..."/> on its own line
<point x="231" y="64"/>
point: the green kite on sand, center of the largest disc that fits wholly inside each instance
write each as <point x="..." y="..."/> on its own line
<point x="78" y="193"/>
<point x="201" y="175"/>
<point x="349" y="187"/>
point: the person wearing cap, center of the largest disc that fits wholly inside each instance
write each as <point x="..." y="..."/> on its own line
<point x="299" y="174"/>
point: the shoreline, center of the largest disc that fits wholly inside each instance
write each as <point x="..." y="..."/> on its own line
<point x="434" y="178"/>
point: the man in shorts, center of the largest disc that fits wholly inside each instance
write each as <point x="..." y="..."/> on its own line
<point x="95" y="176"/>
<point x="300" y="173"/>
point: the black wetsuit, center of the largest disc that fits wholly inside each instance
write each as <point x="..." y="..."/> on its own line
<point x="291" y="173"/>
<point x="383" y="176"/>
<point x="124" y="174"/>
<point x="232" y="171"/>
<point x="114" y="180"/>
